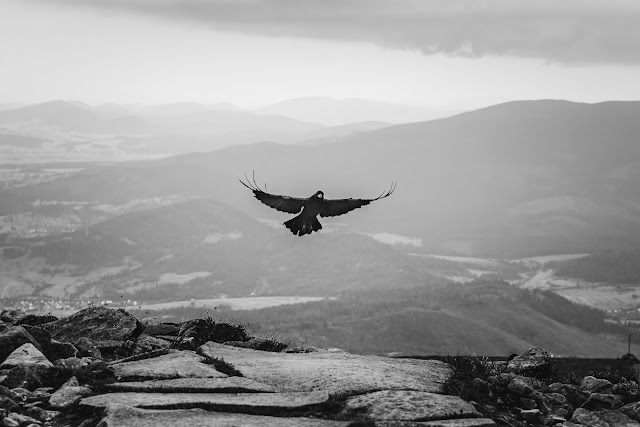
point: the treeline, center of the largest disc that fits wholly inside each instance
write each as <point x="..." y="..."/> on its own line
<point x="615" y="267"/>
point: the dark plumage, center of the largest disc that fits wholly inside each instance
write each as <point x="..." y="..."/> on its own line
<point x="307" y="222"/>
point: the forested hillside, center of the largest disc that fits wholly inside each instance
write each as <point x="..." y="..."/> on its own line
<point x="488" y="318"/>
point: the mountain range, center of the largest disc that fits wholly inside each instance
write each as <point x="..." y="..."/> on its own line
<point x="516" y="179"/>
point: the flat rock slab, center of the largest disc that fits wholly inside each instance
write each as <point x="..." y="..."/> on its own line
<point x="183" y="364"/>
<point x="402" y="405"/>
<point x="249" y="403"/>
<point x="194" y="385"/>
<point x="333" y="371"/>
<point x="122" y="416"/>
<point x="462" y="422"/>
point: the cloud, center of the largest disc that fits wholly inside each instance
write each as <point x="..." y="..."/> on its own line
<point x="566" y="31"/>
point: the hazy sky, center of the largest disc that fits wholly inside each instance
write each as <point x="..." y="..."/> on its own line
<point x="445" y="54"/>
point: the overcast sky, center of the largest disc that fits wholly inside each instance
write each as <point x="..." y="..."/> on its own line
<point x="443" y="54"/>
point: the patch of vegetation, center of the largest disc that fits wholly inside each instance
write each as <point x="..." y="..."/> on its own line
<point x="194" y="333"/>
<point x="221" y="365"/>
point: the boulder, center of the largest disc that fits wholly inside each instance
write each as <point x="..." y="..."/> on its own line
<point x="26" y="354"/>
<point x="587" y="418"/>
<point x="88" y="348"/>
<point x="8" y="404"/>
<point x="599" y="401"/>
<point x="14" y="337"/>
<point x="69" y="394"/>
<point x="575" y="396"/>
<point x="42" y="415"/>
<point x="35" y="319"/>
<point x="41" y="335"/>
<point x="96" y="323"/>
<point x="24" y="376"/>
<point x="535" y="362"/>
<point x="593" y="384"/>
<point x="632" y="410"/>
<point x="61" y="350"/>
<point x="13" y="315"/>
<point x="147" y="343"/>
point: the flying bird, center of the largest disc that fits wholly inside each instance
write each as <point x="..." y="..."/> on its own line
<point x="307" y="222"/>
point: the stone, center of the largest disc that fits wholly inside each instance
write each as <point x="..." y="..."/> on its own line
<point x="598" y="401"/>
<point x="88" y="348"/>
<point x="75" y="365"/>
<point x="124" y="416"/>
<point x="460" y="422"/>
<point x="533" y="416"/>
<point x="405" y="405"/>
<point x="42" y="415"/>
<point x="10" y="422"/>
<point x="534" y="362"/>
<point x="61" y="350"/>
<point x="26" y="354"/>
<point x="13" y="338"/>
<point x="635" y="372"/>
<point x="5" y="391"/>
<point x="587" y="418"/>
<point x="69" y="394"/>
<point x="520" y="385"/>
<point x="8" y="404"/>
<point x="96" y="323"/>
<point x="24" y="376"/>
<point x="146" y="343"/>
<point x="617" y="419"/>
<point x="262" y="344"/>
<point x="41" y="394"/>
<point x="528" y="403"/>
<point x="593" y="384"/>
<point x="13" y="315"/>
<point x="20" y="393"/>
<point x="336" y="372"/>
<point x="183" y="364"/>
<point x="155" y="329"/>
<point x="632" y="410"/>
<point x="36" y="319"/>
<point x="23" y="420"/>
<point x="41" y="335"/>
<point x="255" y="403"/>
<point x="575" y="396"/>
<point x="193" y="385"/>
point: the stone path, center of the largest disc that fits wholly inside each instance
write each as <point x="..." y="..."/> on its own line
<point x="323" y="388"/>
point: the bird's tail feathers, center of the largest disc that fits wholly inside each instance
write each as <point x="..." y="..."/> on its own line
<point x="300" y="227"/>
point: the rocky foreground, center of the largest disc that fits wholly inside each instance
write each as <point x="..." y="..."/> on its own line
<point x="103" y="367"/>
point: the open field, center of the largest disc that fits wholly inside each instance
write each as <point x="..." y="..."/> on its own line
<point x="248" y="303"/>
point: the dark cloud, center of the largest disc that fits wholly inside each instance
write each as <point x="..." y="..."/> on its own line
<point x="568" y="31"/>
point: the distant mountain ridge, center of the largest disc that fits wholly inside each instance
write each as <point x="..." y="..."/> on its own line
<point x="516" y="179"/>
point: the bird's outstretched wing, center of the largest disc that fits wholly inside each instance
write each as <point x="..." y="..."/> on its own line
<point x="342" y="206"/>
<point x="287" y="204"/>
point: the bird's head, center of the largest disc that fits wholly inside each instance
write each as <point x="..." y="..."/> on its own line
<point x="319" y="195"/>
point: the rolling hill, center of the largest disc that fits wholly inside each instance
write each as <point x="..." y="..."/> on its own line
<point x="198" y="249"/>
